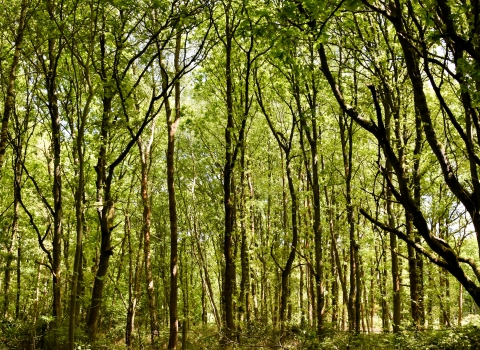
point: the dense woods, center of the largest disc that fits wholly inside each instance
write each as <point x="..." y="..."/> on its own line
<point x="200" y="174"/>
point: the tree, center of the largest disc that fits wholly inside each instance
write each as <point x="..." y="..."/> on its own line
<point x="447" y="257"/>
<point x="8" y="105"/>
<point x="315" y="172"/>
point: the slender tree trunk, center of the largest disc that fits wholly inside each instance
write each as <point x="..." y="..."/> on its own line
<point x="347" y="151"/>
<point x="15" y="233"/>
<point x="412" y="271"/>
<point x="172" y="125"/>
<point x="9" y="102"/>
<point x="145" y="150"/>
<point x="460" y="304"/>
<point x="244" y="258"/>
<point x="394" y="266"/>
<point x="251" y="272"/>
<point x="36" y="309"/>
<point x="383" y="286"/>
<point x="291" y="256"/>
<point x="429" y="306"/>
<point x="244" y="305"/>
<point x="204" y="303"/>
<point x="417" y="197"/>
<point x="186" y="312"/>
<point x="339" y="271"/>
<point x="204" y="274"/>
<point x="78" y="155"/>
<point x="313" y="139"/>
<point x="333" y="271"/>
<point x="345" y="297"/>
<point x="8" y="272"/>
<point x="79" y="239"/>
<point x="19" y="274"/>
<point x="309" y="297"/>
<point x="358" y="293"/>
<point x="365" y="306"/>
<point x="372" y="296"/>
<point x="172" y="343"/>
<point x="254" y="285"/>
<point x="57" y="192"/>
<point x="300" y="297"/>
<point x="394" y="262"/>
<point x="313" y="301"/>
<point x="448" y="314"/>
<point x="106" y="213"/>
<point x="228" y="198"/>
<point x="285" y="144"/>
<point x="207" y="281"/>
<point x="134" y="278"/>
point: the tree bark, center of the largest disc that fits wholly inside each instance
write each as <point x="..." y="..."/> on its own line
<point x="51" y="86"/>
<point x="77" y="264"/>
<point x="243" y="305"/>
<point x="228" y="288"/>
<point x="347" y="153"/>
<point x="134" y="278"/>
<point x="231" y="151"/>
<point x="172" y="125"/>
<point x="291" y="256"/>
<point x="145" y="150"/>
<point x="313" y="179"/>
<point x="105" y="212"/>
<point x="9" y="103"/>
<point x="419" y="297"/>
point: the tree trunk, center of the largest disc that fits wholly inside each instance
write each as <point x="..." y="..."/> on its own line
<point x="134" y="278"/>
<point x="78" y="155"/>
<point x="15" y="233"/>
<point x="383" y="285"/>
<point x="337" y="269"/>
<point x="206" y="281"/>
<point x="347" y="152"/>
<point x="204" y="275"/>
<point x="9" y="103"/>
<point x="391" y="222"/>
<point x="19" y="261"/>
<point x="204" y="304"/>
<point x="231" y="150"/>
<point x="358" y="293"/>
<point x="460" y="304"/>
<point x="372" y="296"/>
<point x="228" y="288"/>
<point x="252" y="272"/>
<point x="313" y="179"/>
<point x="106" y="213"/>
<point x="300" y="297"/>
<point x="8" y="271"/>
<point x="186" y="287"/>
<point x="412" y="271"/>
<point x="77" y="264"/>
<point x="333" y="271"/>
<point x="291" y="256"/>
<point x="394" y="266"/>
<point x="145" y="150"/>
<point x="243" y="305"/>
<point x="172" y="125"/>
<point x="419" y="297"/>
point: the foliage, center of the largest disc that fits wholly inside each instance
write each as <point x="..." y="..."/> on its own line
<point x="309" y="168"/>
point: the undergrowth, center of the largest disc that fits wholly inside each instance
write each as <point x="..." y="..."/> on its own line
<point x="18" y="335"/>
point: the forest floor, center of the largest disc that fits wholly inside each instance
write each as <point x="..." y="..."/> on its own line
<point x="466" y="337"/>
<point x="260" y="337"/>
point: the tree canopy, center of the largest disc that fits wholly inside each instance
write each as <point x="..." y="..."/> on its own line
<point x="230" y="173"/>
